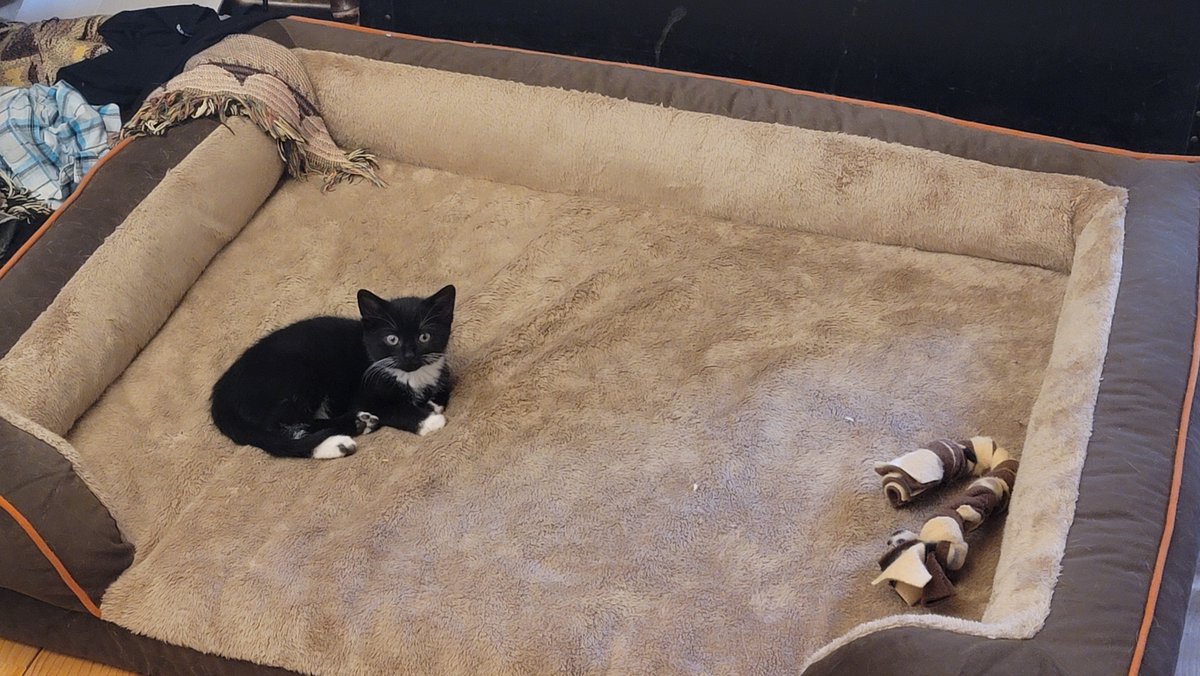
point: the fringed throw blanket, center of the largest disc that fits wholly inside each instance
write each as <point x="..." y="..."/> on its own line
<point x="20" y="213"/>
<point x="245" y="75"/>
<point x="33" y="53"/>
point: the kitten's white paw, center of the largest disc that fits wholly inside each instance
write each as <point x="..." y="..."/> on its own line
<point x="367" y="423"/>
<point x="431" y="424"/>
<point x="437" y="408"/>
<point x="338" y="446"/>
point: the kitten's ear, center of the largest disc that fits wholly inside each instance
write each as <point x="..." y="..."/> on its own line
<point x="371" y="306"/>
<point x="442" y="303"/>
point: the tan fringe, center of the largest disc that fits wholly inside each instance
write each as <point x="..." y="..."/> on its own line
<point x="18" y="202"/>
<point x="169" y="109"/>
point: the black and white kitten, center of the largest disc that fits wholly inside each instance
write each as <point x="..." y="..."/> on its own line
<point x="305" y="390"/>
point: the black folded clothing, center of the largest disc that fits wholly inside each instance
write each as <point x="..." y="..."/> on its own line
<point x="149" y="47"/>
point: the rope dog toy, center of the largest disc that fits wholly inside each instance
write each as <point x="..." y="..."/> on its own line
<point x="938" y="463"/>
<point x="917" y="565"/>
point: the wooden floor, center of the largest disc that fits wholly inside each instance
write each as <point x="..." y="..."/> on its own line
<point x="23" y="660"/>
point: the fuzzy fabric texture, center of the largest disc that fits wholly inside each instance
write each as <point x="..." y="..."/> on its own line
<point x="857" y="188"/>
<point x="1042" y="506"/>
<point x="669" y="377"/>
<point x="119" y="298"/>
<point x="762" y="174"/>
<point x="652" y="428"/>
<point x="249" y="76"/>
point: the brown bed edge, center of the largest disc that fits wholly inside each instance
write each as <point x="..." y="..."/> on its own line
<point x="63" y="546"/>
<point x="32" y="622"/>
<point x="1141" y="471"/>
<point x="103" y="200"/>
<point x="1122" y="513"/>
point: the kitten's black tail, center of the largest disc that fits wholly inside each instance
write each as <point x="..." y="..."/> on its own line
<point x="323" y="444"/>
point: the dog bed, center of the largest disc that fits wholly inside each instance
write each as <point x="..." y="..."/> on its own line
<point x="693" y="314"/>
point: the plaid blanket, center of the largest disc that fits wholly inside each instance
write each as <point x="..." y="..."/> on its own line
<point x="50" y="137"/>
<point x="245" y="75"/>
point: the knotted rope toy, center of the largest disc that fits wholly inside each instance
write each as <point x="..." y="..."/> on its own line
<point x="938" y="463"/>
<point x="917" y="565"/>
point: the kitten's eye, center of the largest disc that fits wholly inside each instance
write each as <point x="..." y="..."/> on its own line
<point x="424" y="337"/>
<point x="391" y="339"/>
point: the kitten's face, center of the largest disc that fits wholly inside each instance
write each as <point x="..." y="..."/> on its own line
<point x="410" y="332"/>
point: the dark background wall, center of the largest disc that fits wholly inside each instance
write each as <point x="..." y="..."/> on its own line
<point x="1121" y="73"/>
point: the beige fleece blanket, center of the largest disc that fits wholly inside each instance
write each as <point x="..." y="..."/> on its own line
<point x="660" y="454"/>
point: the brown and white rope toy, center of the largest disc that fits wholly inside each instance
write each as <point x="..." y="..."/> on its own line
<point x="938" y="463"/>
<point x="916" y="565"/>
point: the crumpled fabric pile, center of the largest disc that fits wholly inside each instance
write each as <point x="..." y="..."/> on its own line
<point x="71" y="82"/>
<point x="147" y="47"/>
<point x="50" y="136"/>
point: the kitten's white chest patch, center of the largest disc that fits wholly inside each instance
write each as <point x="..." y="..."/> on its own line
<point x="422" y="379"/>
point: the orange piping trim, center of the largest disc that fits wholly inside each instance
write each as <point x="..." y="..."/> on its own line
<point x="1164" y="544"/>
<point x="62" y="207"/>
<point x="1177" y="473"/>
<point x="1185" y="416"/>
<point x="50" y="556"/>
<point x="762" y="85"/>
